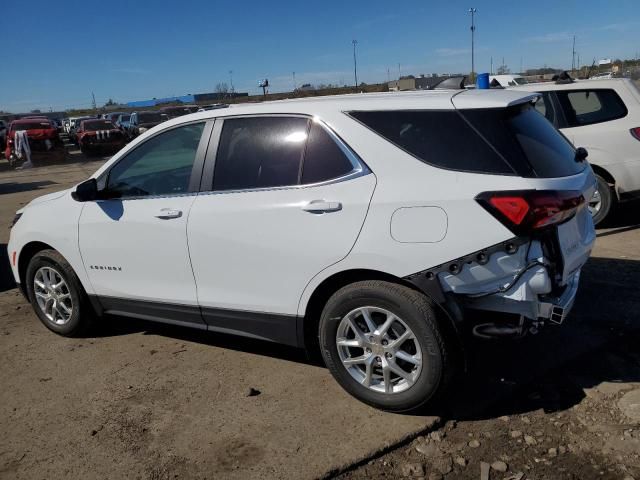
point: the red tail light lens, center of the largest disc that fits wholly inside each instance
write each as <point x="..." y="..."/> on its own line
<point x="635" y="133"/>
<point x="525" y="211"/>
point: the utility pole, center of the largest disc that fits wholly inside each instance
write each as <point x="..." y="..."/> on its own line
<point x="473" y="11"/>
<point x="294" y="81"/>
<point x="231" y="80"/>
<point x="93" y="100"/>
<point x="355" y="63"/>
<point x="492" y="65"/>
<point x="573" y="55"/>
<point x="388" y="75"/>
<point x="399" y="72"/>
<point x="521" y="71"/>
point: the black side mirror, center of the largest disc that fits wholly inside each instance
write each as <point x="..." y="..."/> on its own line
<point x="87" y="191"/>
<point x="581" y="154"/>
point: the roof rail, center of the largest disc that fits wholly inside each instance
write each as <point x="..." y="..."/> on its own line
<point x="451" y="83"/>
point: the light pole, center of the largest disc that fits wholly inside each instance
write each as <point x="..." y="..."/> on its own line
<point x="231" y="79"/>
<point x="473" y="11"/>
<point x="294" y="81"/>
<point x="355" y="63"/>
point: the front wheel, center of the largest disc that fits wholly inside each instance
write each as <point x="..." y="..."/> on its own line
<point x="603" y="201"/>
<point x="382" y="344"/>
<point x="56" y="294"/>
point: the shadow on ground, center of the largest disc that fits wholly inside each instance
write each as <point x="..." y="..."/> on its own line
<point x="6" y="278"/>
<point x="15" y="187"/>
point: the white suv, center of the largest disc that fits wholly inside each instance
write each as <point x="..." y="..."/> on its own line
<point x="382" y="227"/>
<point x="603" y="117"/>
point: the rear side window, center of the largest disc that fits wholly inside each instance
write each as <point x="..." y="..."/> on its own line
<point x="260" y="152"/>
<point x="586" y="107"/>
<point x="324" y="159"/>
<point x="439" y="138"/>
<point x="545" y="107"/>
<point x="523" y="133"/>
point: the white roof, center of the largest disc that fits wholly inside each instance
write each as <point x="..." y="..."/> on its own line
<point x="576" y="85"/>
<point x="414" y="100"/>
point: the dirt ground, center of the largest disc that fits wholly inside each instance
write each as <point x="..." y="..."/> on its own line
<point x="141" y="400"/>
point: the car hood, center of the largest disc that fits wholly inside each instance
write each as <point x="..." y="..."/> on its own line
<point x="46" y="198"/>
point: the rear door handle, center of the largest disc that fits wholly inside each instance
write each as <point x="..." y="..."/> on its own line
<point x="168" y="213"/>
<point x="322" y="206"/>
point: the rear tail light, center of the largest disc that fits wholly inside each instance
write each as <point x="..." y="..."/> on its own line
<point x="529" y="210"/>
<point x="635" y="133"/>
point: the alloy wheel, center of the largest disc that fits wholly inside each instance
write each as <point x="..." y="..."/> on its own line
<point x="595" y="204"/>
<point x="53" y="295"/>
<point x="379" y="350"/>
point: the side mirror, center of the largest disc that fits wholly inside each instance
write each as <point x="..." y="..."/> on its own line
<point x="581" y="154"/>
<point x="87" y="191"/>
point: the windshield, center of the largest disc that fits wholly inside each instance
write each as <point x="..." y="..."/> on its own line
<point x="149" y="117"/>
<point x="124" y="118"/>
<point x="98" y="125"/>
<point x="521" y="81"/>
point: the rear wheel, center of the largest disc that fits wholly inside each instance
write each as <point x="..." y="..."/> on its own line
<point x="56" y="294"/>
<point x="603" y="201"/>
<point x="382" y="344"/>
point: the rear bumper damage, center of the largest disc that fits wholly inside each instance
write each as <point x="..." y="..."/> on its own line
<point x="507" y="290"/>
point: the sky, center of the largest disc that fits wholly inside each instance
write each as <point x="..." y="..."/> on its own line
<point x="57" y="53"/>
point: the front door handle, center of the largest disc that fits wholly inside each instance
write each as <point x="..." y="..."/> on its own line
<point x="168" y="213"/>
<point x="322" y="206"/>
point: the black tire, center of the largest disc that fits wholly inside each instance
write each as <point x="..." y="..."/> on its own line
<point x="608" y="201"/>
<point x="416" y="311"/>
<point x="82" y="315"/>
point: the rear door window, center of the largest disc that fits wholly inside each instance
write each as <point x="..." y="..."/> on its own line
<point x="260" y="152"/>
<point x="440" y="138"/>
<point x="589" y="106"/>
<point x="324" y="159"/>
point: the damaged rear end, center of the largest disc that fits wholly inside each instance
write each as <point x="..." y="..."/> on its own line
<point x="531" y="280"/>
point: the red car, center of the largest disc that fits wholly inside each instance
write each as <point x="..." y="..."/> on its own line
<point x="44" y="141"/>
<point x="100" y="135"/>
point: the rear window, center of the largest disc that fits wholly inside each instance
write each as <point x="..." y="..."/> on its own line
<point x="586" y="107"/>
<point x="523" y="133"/>
<point x="517" y="140"/>
<point x="439" y="138"/>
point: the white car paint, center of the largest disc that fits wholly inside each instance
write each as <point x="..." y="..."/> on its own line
<point x="610" y="144"/>
<point x="260" y="250"/>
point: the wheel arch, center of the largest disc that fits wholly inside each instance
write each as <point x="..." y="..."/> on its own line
<point x="309" y="321"/>
<point x="27" y="252"/>
<point x="598" y="170"/>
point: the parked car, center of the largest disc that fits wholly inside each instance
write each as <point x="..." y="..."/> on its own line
<point x="385" y="227"/>
<point x="112" y="116"/>
<point x="122" y="122"/>
<point x="44" y="141"/>
<point x="74" y="127"/>
<point x="604" y="117"/>
<point x="173" y="112"/>
<point x="140" y="122"/>
<point x="100" y="135"/>
<point x="3" y="134"/>
<point x="602" y="76"/>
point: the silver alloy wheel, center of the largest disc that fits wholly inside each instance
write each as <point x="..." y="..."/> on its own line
<point x="379" y="350"/>
<point x="53" y="295"/>
<point x="595" y="204"/>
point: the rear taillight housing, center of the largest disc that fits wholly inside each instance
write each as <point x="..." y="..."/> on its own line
<point x="525" y="211"/>
<point x="635" y="133"/>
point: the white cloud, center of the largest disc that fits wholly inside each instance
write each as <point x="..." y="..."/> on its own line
<point x="551" y="37"/>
